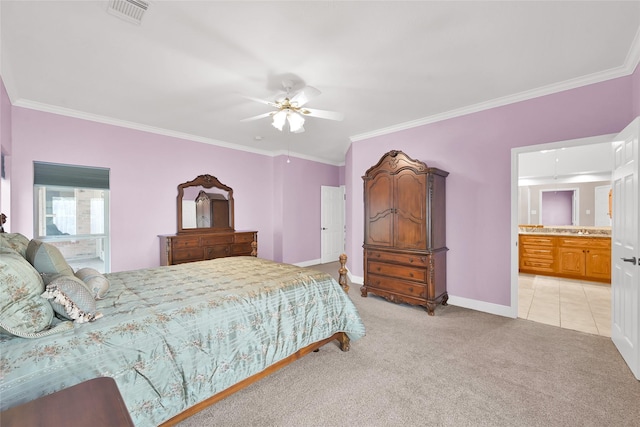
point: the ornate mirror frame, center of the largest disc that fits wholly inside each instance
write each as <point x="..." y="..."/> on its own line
<point x="205" y="181"/>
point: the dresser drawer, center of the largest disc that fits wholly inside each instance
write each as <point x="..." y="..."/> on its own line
<point x="241" y="248"/>
<point x="243" y="238"/>
<point x="216" y="240"/>
<point x="185" y="242"/>
<point x="397" y="258"/>
<point x="188" y="254"/>
<point x="400" y="271"/>
<point x="400" y="287"/>
<point x="216" y="251"/>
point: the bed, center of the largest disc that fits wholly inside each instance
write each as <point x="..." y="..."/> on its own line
<point x="179" y="338"/>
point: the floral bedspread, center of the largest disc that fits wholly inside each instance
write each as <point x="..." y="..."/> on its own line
<point x="174" y="336"/>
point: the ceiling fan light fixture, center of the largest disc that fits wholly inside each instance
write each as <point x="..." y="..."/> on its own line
<point x="278" y="120"/>
<point x="296" y="122"/>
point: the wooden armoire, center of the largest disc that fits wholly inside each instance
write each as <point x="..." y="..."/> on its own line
<point x="405" y="251"/>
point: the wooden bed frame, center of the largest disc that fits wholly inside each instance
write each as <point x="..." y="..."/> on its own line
<point x="341" y="337"/>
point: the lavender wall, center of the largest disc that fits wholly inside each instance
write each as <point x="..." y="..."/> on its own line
<point x="301" y="177"/>
<point x="558" y="207"/>
<point x="476" y="150"/>
<point x="145" y="170"/>
<point x="5" y="120"/>
<point x="5" y="147"/>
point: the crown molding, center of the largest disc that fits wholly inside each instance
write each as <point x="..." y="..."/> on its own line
<point x="47" y="108"/>
<point x="631" y="62"/>
<point x="305" y="157"/>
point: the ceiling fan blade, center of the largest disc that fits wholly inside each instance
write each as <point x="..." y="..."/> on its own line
<point x="261" y="116"/>
<point x="322" y="114"/>
<point x="262" y="101"/>
<point x="304" y="95"/>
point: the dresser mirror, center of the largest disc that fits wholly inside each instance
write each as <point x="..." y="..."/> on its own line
<point x="205" y="204"/>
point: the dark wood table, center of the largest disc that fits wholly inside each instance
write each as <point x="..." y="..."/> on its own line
<point x="95" y="403"/>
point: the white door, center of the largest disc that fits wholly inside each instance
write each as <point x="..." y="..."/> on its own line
<point x="625" y="275"/>
<point x="332" y="223"/>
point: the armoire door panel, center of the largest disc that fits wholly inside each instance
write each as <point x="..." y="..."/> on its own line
<point x="379" y="208"/>
<point x="409" y="233"/>
<point x="380" y="195"/>
<point x="410" y="227"/>
<point x="380" y="230"/>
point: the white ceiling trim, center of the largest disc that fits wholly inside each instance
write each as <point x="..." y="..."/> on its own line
<point x="631" y="62"/>
<point x="33" y="105"/>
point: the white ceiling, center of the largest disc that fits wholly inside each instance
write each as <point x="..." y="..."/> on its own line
<point x="579" y="163"/>
<point x="386" y="65"/>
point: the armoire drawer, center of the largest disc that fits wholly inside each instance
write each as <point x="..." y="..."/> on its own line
<point x="407" y="259"/>
<point x="400" y="287"/>
<point x="418" y="274"/>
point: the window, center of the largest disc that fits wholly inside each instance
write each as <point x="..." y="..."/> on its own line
<point x="72" y="212"/>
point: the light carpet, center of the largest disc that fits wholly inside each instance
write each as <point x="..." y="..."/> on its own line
<point x="457" y="368"/>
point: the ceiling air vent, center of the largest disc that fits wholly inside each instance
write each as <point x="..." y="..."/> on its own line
<point x="129" y="10"/>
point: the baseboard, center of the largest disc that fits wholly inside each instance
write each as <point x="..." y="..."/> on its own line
<point x="308" y="263"/>
<point x="358" y="280"/>
<point x="487" y="307"/>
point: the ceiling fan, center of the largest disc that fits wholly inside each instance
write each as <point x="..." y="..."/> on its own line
<point x="289" y="108"/>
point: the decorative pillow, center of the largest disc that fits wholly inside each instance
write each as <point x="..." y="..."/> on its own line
<point x="97" y="283"/>
<point x="71" y="299"/>
<point x="15" y="241"/>
<point x="47" y="259"/>
<point x="23" y="312"/>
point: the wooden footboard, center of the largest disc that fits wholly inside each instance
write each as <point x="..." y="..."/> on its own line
<point x="343" y="341"/>
<point x="342" y="273"/>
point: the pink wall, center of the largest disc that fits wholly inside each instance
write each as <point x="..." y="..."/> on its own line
<point x="476" y="150"/>
<point x="145" y="171"/>
<point x="5" y="149"/>
<point x="558" y="208"/>
<point x="5" y="120"/>
<point x="301" y="177"/>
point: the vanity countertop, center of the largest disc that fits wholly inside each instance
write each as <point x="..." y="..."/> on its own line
<point x="573" y="231"/>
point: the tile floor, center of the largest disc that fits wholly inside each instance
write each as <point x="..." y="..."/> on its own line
<point x="572" y="304"/>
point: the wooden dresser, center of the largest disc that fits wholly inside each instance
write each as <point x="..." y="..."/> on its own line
<point x="404" y="232"/>
<point x="181" y="248"/>
<point x="205" y="212"/>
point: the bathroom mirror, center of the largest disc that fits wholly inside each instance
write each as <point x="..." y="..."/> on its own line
<point x="204" y="204"/>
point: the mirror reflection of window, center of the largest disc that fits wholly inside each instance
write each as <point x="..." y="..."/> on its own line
<point x="189" y="214"/>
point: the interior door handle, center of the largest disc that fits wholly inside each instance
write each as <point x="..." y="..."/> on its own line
<point x="324" y="228"/>
<point x="632" y="260"/>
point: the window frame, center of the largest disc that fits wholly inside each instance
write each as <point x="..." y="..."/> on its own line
<point x="38" y="208"/>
